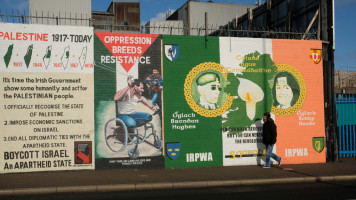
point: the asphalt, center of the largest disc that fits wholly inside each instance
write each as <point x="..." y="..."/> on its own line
<point x="36" y="183"/>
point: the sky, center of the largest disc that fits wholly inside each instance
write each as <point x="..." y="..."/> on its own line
<point x="345" y="17"/>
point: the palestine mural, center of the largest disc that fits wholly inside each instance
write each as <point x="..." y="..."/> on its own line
<point x="47" y="91"/>
<point x="217" y="89"/>
<point x="128" y="101"/>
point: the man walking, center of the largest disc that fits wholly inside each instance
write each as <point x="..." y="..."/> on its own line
<point x="269" y="139"/>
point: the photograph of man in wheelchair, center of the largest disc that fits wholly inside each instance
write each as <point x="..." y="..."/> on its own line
<point x="124" y="129"/>
<point x="127" y="98"/>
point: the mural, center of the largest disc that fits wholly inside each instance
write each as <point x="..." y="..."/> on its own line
<point x="193" y="98"/>
<point x="226" y="92"/>
<point x="154" y="101"/>
<point x="303" y="121"/>
<point x="46" y="98"/>
<point x="128" y="101"/>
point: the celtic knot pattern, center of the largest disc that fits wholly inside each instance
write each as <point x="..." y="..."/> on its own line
<point x="293" y="109"/>
<point x="188" y="90"/>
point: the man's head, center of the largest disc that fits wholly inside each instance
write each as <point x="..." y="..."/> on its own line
<point x="131" y="82"/>
<point x="208" y="87"/>
<point x="266" y="116"/>
<point x="155" y="71"/>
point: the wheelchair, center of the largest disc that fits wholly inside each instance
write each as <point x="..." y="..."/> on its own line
<point x="117" y="136"/>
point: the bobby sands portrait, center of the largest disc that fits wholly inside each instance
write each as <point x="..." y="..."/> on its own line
<point x="285" y="90"/>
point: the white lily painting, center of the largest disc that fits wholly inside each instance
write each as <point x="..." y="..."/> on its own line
<point x="251" y="93"/>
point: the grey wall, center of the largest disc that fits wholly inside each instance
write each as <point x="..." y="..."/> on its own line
<point x="169" y="27"/>
<point x="218" y="14"/>
<point x="80" y="9"/>
<point x="182" y="15"/>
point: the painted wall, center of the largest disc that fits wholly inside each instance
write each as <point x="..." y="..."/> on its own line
<point x="118" y="56"/>
<point x="302" y="131"/>
<point x="186" y="131"/>
<point x="68" y="95"/>
<point x="211" y="127"/>
<point x="47" y="91"/>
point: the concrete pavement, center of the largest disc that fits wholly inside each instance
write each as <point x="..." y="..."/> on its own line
<point x="169" y="179"/>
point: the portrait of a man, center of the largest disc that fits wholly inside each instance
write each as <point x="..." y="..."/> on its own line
<point x="204" y="89"/>
<point x="209" y="88"/>
<point x="285" y="90"/>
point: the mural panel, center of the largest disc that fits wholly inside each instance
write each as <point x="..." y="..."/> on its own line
<point x="217" y="92"/>
<point x="46" y="98"/>
<point x="193" y="101"/>
<point x="128" y="101"/>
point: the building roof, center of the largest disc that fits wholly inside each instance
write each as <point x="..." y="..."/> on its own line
<point x="207" y="3"/>
<point x="102" y="13"/>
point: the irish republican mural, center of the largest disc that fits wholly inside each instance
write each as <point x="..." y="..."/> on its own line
<point x="221" y="89"/>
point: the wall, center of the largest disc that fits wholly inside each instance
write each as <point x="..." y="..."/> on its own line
<point x="276" y="18"/>
<point x="47" y="91"/>
<point x="103" y="21"/>
<point x="218" y="14"/>
<point x="118" y="56"/>
<point x="345" y="79"/>
<point x="66" y="103"/>
<point x="168" y="27"/>
<point x="228" y="131"/>
<point x="193" y="15"/>
<point x="79" y="9"/>
<point x="126" y="13"/>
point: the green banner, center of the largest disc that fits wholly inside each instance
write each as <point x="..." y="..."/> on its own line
<point x="194" y="137"/>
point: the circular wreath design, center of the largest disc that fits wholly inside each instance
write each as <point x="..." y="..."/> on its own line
<point x="302" y="93"/>
<point x="188" y="90"/>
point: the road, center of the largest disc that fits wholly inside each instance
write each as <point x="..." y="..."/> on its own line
<point x="323" y="191"/>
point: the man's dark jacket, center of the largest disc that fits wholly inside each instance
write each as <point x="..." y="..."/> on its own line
<point x="269" y="132"/>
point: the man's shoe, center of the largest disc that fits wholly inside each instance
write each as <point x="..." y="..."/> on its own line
<point x="280" y="162"/>
<point x="265" y="166"/>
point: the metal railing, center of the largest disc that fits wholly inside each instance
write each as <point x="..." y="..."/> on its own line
<point x="346" y="122"/>
<point x="15" y="16"/>
<point x="266" y="33"/>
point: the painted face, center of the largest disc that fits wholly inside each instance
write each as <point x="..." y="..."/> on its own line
<point x="210" y="92"/>
<point x="284" y="92"/>
<point x="139" y="89"/>
<point x="155" y="72"/>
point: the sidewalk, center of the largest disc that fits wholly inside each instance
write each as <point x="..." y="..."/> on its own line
<point x="136" y="180"/>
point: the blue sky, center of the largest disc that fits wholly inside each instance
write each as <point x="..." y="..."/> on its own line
<point x="345" y="29"/>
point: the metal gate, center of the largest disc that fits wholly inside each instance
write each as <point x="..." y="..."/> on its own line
<point x="346" y="122"/>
